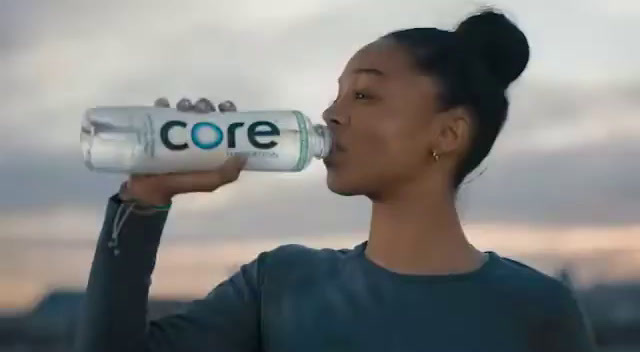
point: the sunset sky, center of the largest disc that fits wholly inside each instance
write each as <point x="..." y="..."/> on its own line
<point x="561" y="186"/>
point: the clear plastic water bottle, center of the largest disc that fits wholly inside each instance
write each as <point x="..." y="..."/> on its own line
<point x="152" y="140"/>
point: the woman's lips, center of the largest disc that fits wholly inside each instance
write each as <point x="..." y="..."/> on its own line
<point x="337" y="149"/>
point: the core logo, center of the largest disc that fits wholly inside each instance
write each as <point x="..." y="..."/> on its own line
<point x="207" y="135"/>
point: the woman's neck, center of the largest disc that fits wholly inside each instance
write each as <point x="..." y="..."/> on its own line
<point x="420" y="233"/>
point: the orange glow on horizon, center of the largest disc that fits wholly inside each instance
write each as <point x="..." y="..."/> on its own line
<point x="192" y="269"/>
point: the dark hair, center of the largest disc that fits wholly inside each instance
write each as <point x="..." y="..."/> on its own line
<point x="474" y="66"/>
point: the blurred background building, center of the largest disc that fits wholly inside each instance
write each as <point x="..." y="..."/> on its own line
<point x="613" y="310"/>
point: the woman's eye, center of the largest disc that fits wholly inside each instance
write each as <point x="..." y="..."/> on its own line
<point x="356" y="96"/>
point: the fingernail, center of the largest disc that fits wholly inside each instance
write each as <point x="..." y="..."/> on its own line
<point x="204" y="105"/>
<point x="184" y="105"/>
<point x="162" y="103"/>
<point x="227" y="105"/>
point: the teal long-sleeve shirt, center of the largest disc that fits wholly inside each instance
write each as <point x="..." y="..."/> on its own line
<point x="295" y="298"/>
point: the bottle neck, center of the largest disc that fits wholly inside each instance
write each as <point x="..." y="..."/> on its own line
<point x="320" y="141"/>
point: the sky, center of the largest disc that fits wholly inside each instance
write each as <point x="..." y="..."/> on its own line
<point x="559" y="188"/>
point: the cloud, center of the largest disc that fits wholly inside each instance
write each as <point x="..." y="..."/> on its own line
<point x="564" y="159"/>
<point x="592" y="185"/>
<point x="546" y="116"/>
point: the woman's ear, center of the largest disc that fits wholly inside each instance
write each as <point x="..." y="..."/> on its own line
<point x="453" y="131"/>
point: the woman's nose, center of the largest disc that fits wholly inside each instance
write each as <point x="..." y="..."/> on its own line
<point x="334" y="116"/>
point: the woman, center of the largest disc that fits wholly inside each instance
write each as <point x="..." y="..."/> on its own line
<point x="416" y="111"/>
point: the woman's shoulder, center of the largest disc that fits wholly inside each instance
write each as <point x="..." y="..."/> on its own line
<point x="294" y="262"/>
<point x="296" y="254"/>
<point x="527" y="284"/>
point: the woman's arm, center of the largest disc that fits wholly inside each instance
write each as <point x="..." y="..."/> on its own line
<point x="115" y="314"/>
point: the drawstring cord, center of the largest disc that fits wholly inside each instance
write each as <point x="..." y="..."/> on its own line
<point x="125" y="208"/>
<point x="117" y="226"/>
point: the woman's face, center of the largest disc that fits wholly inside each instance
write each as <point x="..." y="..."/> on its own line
<point x="384" y="121"/>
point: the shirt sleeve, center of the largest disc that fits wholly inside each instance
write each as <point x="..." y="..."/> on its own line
<point x="565" y="327"/>
<point x="114" y="317"/>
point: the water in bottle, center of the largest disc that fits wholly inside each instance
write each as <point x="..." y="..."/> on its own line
<point x="151" y="140"/>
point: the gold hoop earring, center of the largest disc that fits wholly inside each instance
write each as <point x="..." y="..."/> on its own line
<point x="435" y="155"/>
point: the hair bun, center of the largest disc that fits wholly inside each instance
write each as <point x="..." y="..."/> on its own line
<point x="498" y="42"/>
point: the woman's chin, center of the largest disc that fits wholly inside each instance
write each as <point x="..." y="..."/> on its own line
<point x="340" y="185"/>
